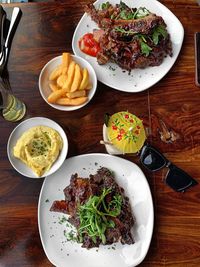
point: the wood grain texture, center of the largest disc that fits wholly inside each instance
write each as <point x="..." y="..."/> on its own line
<point x="45" y="31"/>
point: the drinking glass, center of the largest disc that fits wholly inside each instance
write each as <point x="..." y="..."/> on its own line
<point x="12" y="109"/>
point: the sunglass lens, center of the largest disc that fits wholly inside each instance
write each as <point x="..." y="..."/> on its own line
<point x="152" y="159"/>
<point x="178" y="180"/>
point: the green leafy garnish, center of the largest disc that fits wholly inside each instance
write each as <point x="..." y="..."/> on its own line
<point x="127" y="32"/>
<point x="96" y="215"/>
<point x="124" y="14"/>
<point x="105" y="5"/>
<point x="141" y="12"/>
<point x="122" y="5"/>
<point x="145" y="48"/>
<point x="127" y="13"/>
<point x="158" y="32"/>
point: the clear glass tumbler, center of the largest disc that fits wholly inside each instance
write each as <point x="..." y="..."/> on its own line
<point x="12" y="109"/>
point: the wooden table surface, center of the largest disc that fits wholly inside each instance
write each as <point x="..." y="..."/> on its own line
<point x="45" y="31"/>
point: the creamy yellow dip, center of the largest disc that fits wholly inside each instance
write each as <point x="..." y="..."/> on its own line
<point x="38" y="148"/>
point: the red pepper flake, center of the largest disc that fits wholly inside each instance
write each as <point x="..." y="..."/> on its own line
<point x="126" y="116"/>
<point x="137" y="132"/>
<point x="131" y="120"/>
<point x="138" y="127"/>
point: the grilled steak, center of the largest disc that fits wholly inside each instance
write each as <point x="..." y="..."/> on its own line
<point x="128" y="40"/>
<point x="78" y="193"/>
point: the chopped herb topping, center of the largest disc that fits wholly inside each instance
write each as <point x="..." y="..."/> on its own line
<point x="62" y="220"/>
<point x="96" y="217"/>
<point x="71" y="236"/>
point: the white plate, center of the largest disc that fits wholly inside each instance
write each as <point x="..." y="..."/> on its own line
<point x="16" y="134"/>
<point x="139" y="79"/>
<point x="44" y="81"/>
<point x="132" y="179"/>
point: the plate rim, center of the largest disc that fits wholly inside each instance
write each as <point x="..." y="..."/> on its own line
<point x="9" y="148"/>
<point x="165" y="73"/>
<point x="108" y="156"/>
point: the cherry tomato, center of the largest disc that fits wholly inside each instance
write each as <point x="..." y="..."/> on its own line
<point x="89" y="45"/>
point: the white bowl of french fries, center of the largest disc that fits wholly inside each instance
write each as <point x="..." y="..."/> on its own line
<point x="67" y="82"/>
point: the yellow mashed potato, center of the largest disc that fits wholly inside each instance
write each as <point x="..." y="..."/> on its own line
<point x="38" y="148"/>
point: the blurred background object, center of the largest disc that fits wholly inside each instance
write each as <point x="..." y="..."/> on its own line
<point x="13" y="1"/>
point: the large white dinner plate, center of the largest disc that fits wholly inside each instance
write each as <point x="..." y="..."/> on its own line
<point x="67" y="253"/>
<point x="139" y="79"/>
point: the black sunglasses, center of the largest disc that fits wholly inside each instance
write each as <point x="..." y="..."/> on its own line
<point x="176" y="178"/>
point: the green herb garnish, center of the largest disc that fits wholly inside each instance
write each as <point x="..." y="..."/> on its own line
<point x="62" y="220"/>
<point x="70" y="236"/>
<point x="141" y="12"/>
<point x="145" y="48"/>
<point x="127" y="13"/>
<point x="122" y="5"/>
<point x="48" y="139"/>
<point x="96" y="215"/>
<point x="127" y="32"/>
<point x="105" y="5"/>
<point x="158" y="32"/>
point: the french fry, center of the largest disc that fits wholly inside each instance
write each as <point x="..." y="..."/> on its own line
<point x="70" y="76"/>
<point x="72" y="102"/>
<point x="53" y="87"/>
<point x="55" y="73"/>
<point x="89" y="86"/>
<point x="61" y="80"/>
<point x="85" y="79"/>
<point x="66" y="58"/>
<point x="76" y="94"/>
<point x="69" y="84"/>
<point x="54" y="96"/>
<point x="77" y="78"/>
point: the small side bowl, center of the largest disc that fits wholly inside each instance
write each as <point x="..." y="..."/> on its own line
<point x="44" y="81"/>
<point x="17" y="164"/>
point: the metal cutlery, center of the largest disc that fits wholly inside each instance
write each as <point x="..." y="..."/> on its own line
<point x="2" y="28"/>
<point x="6" y="47"/>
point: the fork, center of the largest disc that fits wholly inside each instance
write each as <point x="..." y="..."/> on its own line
<point x="6" y="47"/>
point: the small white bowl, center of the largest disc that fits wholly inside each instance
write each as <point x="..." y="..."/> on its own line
<point x="50" y="66"/>
<point x="17" y="164"/>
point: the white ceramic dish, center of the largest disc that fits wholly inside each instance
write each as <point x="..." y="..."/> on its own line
<point x="64" y="253"/>
<point x="44" y="81"/>
<point x="16" y="134"/>
<point x="139" y="79"/>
